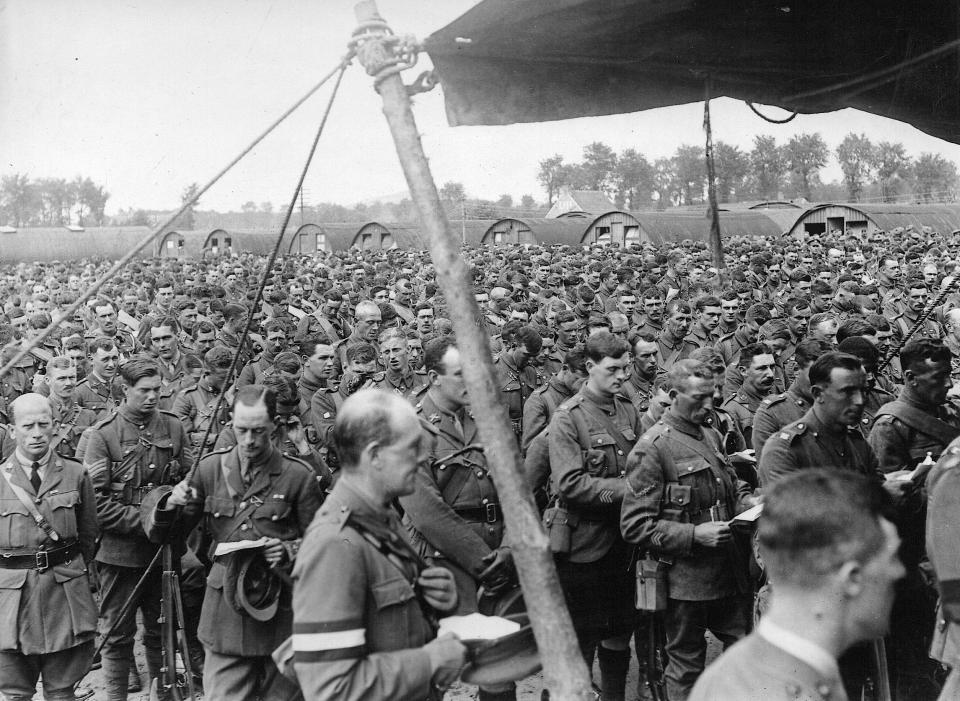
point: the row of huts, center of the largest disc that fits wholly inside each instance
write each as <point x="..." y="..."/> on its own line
<point x="574" y="228"/>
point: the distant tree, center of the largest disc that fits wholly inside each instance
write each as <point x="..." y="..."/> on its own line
<point x="453" y="192"/>
<point x="664" y="181"/>
<point x="935" y="178"/>
<point x="633" y="178"/>
<point x="96" y="197"/>
<point x="552" y="174"/>
<point x="19" y="200"/>
<point x="187" y="220"/>
<point x="858" y="159"/>
<point x="806" y="155"/>
<point x="248" y="207"/>
<point x="54" y="194"/>
<point x="481" y="209"/>
<point x="140" y="218"/>
<point x="768" y="166"/>
<point x="892" y="167"/>
<point x="266" y="207"/>
<point x="690" y="173"/>
<point x="731" y="166"/>
<point x="598" y="169"/>
<point x="527" y="202"/>
<point x="505" y="201"/>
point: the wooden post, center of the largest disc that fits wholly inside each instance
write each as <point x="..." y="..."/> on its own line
<point x="564" y="669"/>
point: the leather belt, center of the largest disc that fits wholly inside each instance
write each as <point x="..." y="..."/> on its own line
<point x="40" y="560"/>
<point x="488" y="513"/>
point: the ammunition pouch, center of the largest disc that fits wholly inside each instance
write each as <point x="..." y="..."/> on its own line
<point x="652" y="589"/>
<point x="560" y="523"/>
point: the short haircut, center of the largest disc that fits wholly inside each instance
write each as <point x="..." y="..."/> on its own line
<point x="218" y="358"/>
<point x="821" y="317"/>
<point x="751" y="351"/>
<point x="251" y="395"/>
<point x="365" y="308"/>
<point x="287" y="361"/>
<point x="564" y="317"/>
<point x="854" y="327"/>
<point x="100" y="343"/>
<point x="232" y="311"/>
<point x="360" y="423"/>
<point x="433" y="352"/>
<point x="757" y="314"/>
<point x="863" y="349"/>
<point x="916" y="354"/>
<point x="823" y="366"/>
<point x="711" y="358"/>
<point x="815" y="520"/>
<point x="204" y="327"/>
<point x="157" y="322"/>
<point x="705" y="301"/>
<point x="604" y="344"/>
<point x="308" y="346"/>
<point x="274" y="325"/>
<point x="391" y="334"/>
<point x="683" y="370"/>
<point x="61" y="362"/>
<point x="793" y="304"/>
<point x="529" y="338"/>
<point x="134" y="370"/>
<point x="775" y="328"/>
<point x="677" y="305"/>
<point x="361" y="353"/>
<point x="576" y="359"/>
<point x="809" y="350"/>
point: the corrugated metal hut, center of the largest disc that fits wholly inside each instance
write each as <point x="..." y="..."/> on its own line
<point x="856" y="218"/>
<point x="669" y="226"/>
<point x="311" y="238"/>
<point x="234" y="242"/>
<point x="610" y="227"/>
<point x="182" y="244"/>
<point x="60" y="243"/>
<point x="565" y="230"/>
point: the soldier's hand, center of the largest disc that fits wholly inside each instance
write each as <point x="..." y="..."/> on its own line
<point x="181" y="494"/>
<point x="447" y="657"/>
<point x="712" y="534"/>
<point x="274" y="552"/>
<point x="438" y="588"/>
<point x="499" y="566"/>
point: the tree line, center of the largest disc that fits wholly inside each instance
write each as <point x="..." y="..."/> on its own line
<point x="51" y="201"/>
<point x="768" y="171"/>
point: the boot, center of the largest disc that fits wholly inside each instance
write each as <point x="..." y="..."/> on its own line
<point x="503" y="692"/>
<point x="613" y="673"/>
<point x="133" y="677"/>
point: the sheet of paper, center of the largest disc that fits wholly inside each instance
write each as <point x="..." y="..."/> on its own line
<point x="476" y="626"/>
<point x="227" y="548"/>
<point x="750" y="515"/>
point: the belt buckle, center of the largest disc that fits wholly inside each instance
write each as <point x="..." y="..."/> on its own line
<point x="43" y="561"/>
<point x="491" y="510"/>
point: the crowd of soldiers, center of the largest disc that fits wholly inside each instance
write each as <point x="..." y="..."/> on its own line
<point x="654" y="398"/>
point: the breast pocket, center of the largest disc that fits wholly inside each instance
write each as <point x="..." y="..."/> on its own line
<point x="273" y="519"/>
<point x="17" y="528"/>
<point x="395" y="601"/>
<point x="218" y="508"/>
<point x="600" y="455"/>
<point x="62" y="516"/>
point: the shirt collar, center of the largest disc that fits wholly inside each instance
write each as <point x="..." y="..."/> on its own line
<point x="804" y="650"/>
<point x="26" y="462"/>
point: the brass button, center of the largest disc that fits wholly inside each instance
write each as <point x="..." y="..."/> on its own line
<point x="243" y="505"/>
<point x="244" y="527"/>
<point x="480" y="474"/>
<point x="216" y="514"/>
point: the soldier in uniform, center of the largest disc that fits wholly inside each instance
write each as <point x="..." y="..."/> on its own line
<point x="366" y="329"/>
<point x="361" y="373"/>
<point x="644" y="371"/>
<point x="362" y="631"/>
<point x="98" y="391"/>
<point x="234" y="322"/>
<point x="275" y="342"/>
<point x="952" y="341"/>
<point x="708" y="311"/>
<point x="672" y="342"/>
<point x="69" y="418"/>
<point x="590" y="436"/>
<point x="246" y="492"/>
<point x="681" y="494"/>
<point x="544" y="400"/>
<point x="875" y="396"/>
<point x="516" y="377"/>
<point x="826" y="542"/>
<point x="652" y="312"/>
<point x="195" y="405"/>
<point x="920" y="422"/>
<point x="164" y="334"/>
<point x="128" y="454"/>
<point x="916" y="303"/>
<point x="106" y="317"/>
<point x="455" y="512"/>
<point x="48" y="531"/>
<point x="570" y="332"/>
<point x="757" y="365"/>
<point x="777" y="411"/>
<point x="399" y="376"/>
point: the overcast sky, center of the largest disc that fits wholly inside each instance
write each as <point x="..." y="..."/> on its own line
<point x="147" y="97"/>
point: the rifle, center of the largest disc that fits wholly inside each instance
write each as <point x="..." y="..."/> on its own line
<point x="171" y="627"/>
<point x="655" y="662"/>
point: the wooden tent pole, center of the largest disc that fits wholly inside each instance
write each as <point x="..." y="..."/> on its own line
<point x="565" y="672"/>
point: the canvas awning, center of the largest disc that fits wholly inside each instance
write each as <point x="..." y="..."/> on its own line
<point x="507" y="61"/>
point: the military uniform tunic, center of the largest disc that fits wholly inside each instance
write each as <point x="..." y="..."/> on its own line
<point x="539" y="408"/>
<point x="99" y="396"/>
<point x="777" y="411"/>
<point x="515" y="385"/>
<point x="194" y="407"/>
<point x="358" y="628"/>
<point x="454" y="513"/>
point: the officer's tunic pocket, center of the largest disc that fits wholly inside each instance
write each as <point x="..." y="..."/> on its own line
<point x="76" y="586"/>
<point x="17" y="528"/>
<point x="393" y="599"/>
<point x="11" y="589"/>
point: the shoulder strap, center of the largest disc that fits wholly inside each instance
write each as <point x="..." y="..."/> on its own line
<point x="25" y="499"/>
<point x="920" y="421"/>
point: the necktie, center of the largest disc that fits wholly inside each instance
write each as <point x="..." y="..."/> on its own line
<point x="35" y="476"/>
